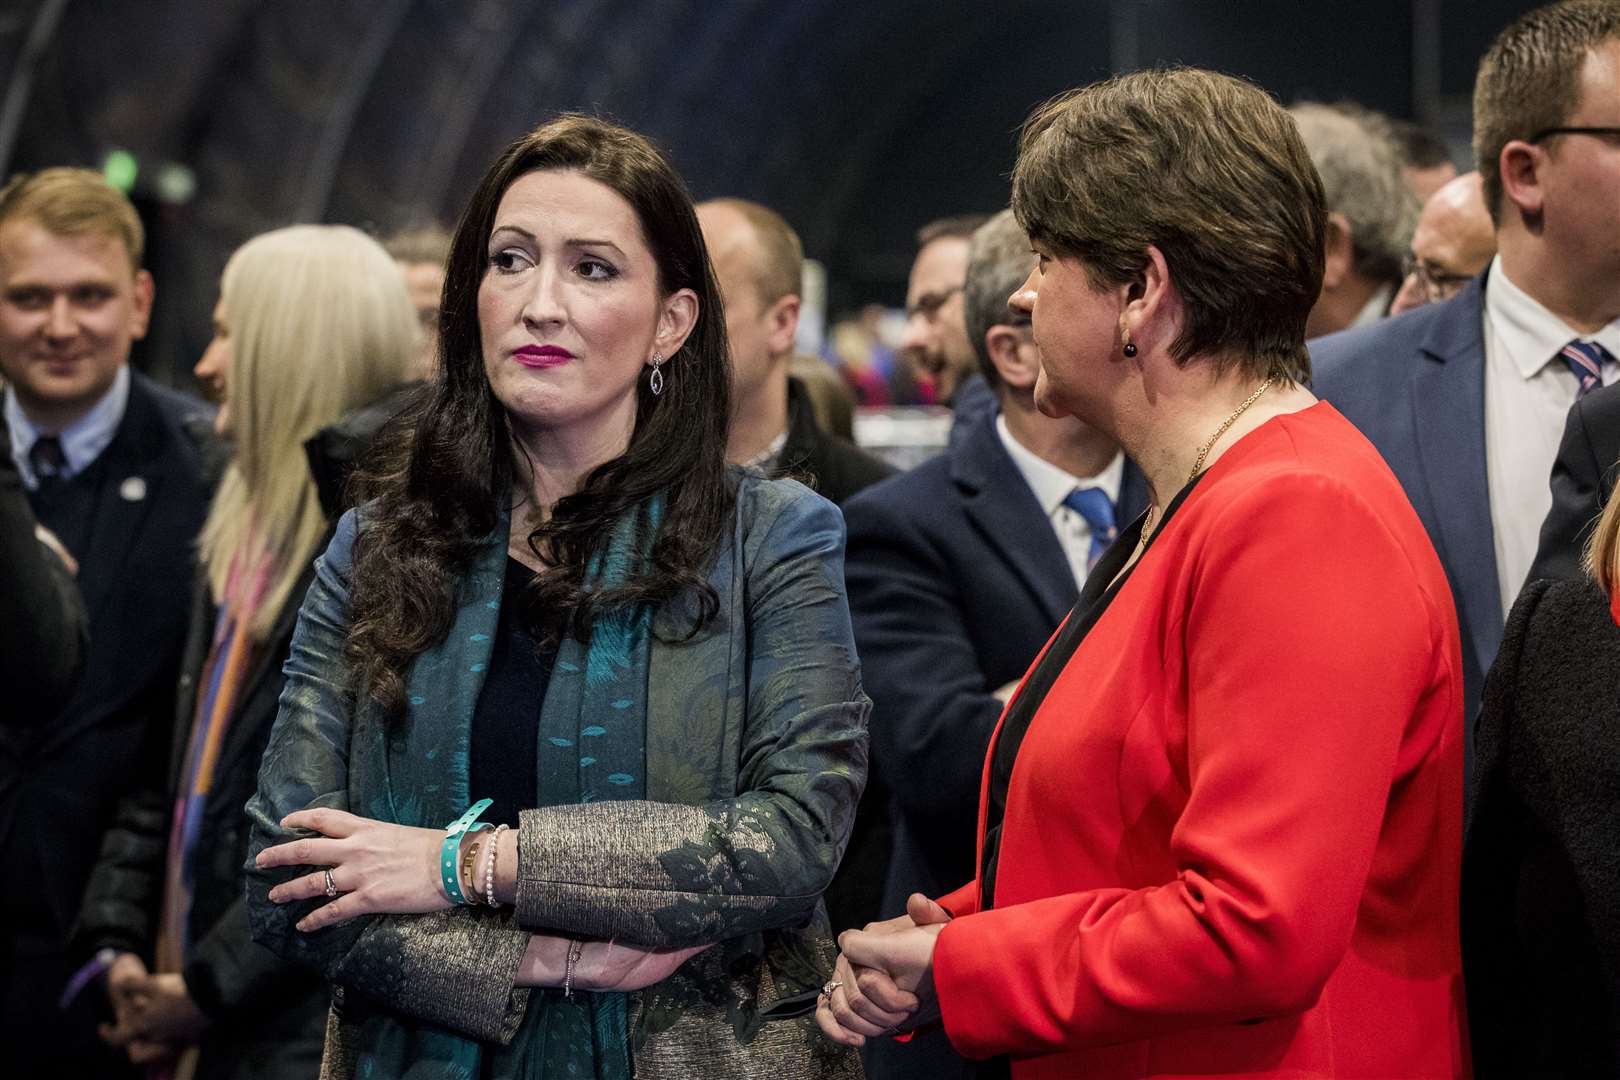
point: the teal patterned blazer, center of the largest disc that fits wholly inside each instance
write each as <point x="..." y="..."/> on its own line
<point x="756" y="757"/>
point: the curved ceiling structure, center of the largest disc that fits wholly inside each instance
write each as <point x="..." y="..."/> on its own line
<point x="858" y="121"/>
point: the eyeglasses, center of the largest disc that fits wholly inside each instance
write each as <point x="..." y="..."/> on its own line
<point x="1437" y="284"/>
<point x="1599" y="132"/>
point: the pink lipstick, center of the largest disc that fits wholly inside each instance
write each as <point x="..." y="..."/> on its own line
<point x="542" y="356"/>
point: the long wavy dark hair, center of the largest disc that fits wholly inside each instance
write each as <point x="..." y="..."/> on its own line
<point x="445" y="473"/>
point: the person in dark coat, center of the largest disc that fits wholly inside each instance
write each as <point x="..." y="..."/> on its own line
<point x="758" y="262"/>
<point x="43" y="631"/>
<point x="1583" y="475"/>
<point x="958" y="573"/>
<point x="312" y="321"/>
<point x="113" y="465"/>
<point x="1540" y="910"/>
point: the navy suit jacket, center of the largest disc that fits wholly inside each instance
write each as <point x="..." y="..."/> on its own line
<point x="956" y="580"/>
<point x="1415" y="386"/>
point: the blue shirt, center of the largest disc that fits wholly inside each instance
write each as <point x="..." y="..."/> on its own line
<point x="82" y="441"/>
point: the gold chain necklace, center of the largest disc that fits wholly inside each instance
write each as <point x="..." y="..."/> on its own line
<point x="1203" y="451"/>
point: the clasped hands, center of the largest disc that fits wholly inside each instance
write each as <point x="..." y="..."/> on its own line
<point x="883" y="983"/>
<point x="380" y="868"/>
<point x="154" y="1017"/>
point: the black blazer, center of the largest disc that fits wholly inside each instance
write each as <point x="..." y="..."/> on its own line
<point x="269" y="1015"/>
<point x="956" y="580"/>
<point x="43" y="631"/>
<point x="60" y="781"/>
<point x="828" y="465"/>
<point x="1541" y="857"/>
<point x="1582" y="477"/>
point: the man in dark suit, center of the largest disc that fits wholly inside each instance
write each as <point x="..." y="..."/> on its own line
<point x="1583" y="477"/>
<point x="758" y="262"/>
<point x="113" y="467"/>
<point x="1465" y="399"/>
<point x="958" y="573"/>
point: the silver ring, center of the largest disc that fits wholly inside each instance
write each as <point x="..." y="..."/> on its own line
<point x="830" y="985"/>
<point x="331" y="886"/>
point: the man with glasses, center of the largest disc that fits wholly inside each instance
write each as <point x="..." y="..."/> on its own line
<point x="936" y="343"/>
<point x="1455" y="240"/>
<point x="1466" y="399"/>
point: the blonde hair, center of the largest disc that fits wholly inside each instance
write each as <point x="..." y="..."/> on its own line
<point x="74" y="202"/>
<point x="320" y="323"/>
<point x="1602" y="555"/>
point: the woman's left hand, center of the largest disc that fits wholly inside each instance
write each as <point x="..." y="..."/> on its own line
<point x="377" y="867"/>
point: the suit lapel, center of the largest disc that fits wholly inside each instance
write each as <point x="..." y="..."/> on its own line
<point x="1001" y="506"/>
<point x="1448" y="403"/>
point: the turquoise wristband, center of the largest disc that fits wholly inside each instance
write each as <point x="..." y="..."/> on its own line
<point x="451" y="848"/>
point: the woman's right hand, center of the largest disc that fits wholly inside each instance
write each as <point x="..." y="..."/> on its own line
<point x="602" y="965"/>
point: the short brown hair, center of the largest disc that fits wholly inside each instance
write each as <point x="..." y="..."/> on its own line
<point x="1211" y="171"/>
<point x="779" y="257"/>
<point x="1530" y="79"/>
<point x="74" y="202"/>
<point x="955" y="227"/>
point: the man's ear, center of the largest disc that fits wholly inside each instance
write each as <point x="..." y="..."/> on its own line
<point x="1338" y="250"/>
<point x="1520" y="168"/>
<point x="1016" y="367"/>
<point x="783" y="319"/>
<point x="142" y="315"/>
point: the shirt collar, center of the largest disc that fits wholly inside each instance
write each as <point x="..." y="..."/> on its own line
<point x="82" y="441"/>
<point x="1051" y="484"/>
<point x="1530" y="334"/>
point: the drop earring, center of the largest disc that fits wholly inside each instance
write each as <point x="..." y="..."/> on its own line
<point x="655" y="382"/>
<point x="1130" y="346"/>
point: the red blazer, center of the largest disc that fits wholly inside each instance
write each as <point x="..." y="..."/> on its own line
<point x="1233" y="831"/>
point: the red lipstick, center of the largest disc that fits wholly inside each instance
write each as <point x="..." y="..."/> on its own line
<point x="542" y="356"/>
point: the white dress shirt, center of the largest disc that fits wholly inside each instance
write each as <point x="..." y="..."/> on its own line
<point x="82" y="441"/>
<point x="1052" y="485"/>
<point x="1528" y="394"/>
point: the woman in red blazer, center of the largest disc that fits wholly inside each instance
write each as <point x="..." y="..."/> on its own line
<point x="1220" y="822"/>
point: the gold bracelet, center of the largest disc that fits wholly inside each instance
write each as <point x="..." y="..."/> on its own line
<point x="469" y="881"/>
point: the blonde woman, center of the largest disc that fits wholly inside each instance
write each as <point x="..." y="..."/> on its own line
<point x="312" y="321"/>
<point x="1540" y="902"/>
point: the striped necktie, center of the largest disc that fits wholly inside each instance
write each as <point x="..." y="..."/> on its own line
<point x="1094" y="505"/>
<point x="1586" y="360"/>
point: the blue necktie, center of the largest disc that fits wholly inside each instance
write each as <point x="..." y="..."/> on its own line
<point x="1586" y="360"/>
<point x="1097" y="508"/>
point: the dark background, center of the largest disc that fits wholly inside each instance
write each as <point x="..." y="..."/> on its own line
<point x="859" y="121"/>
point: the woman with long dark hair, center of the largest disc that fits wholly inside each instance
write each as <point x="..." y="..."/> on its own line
<point x="559" y="614"/>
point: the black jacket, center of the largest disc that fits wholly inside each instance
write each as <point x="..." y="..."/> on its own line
<point x="1541" y="858"/>
<point x="263" y="1009"/>
<point x="1582" y="477"/>
<point x="832" y="467"/>
<point x="43" y="630"/>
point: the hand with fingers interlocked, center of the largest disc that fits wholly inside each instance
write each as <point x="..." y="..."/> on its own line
<point x="368" y="867"/>
<point x="883" y="983"/>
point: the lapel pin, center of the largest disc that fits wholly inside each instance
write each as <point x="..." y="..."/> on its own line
<point x="132" y="489"/>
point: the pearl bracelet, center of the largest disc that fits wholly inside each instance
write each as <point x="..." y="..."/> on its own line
<point x="489" y="866"/>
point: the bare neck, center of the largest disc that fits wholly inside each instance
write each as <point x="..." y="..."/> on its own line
<point x="760" y="418"/>
<point x="1187" y="408"/>
<point x="553" y="465"/>
<point x="1072" y="445"/>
